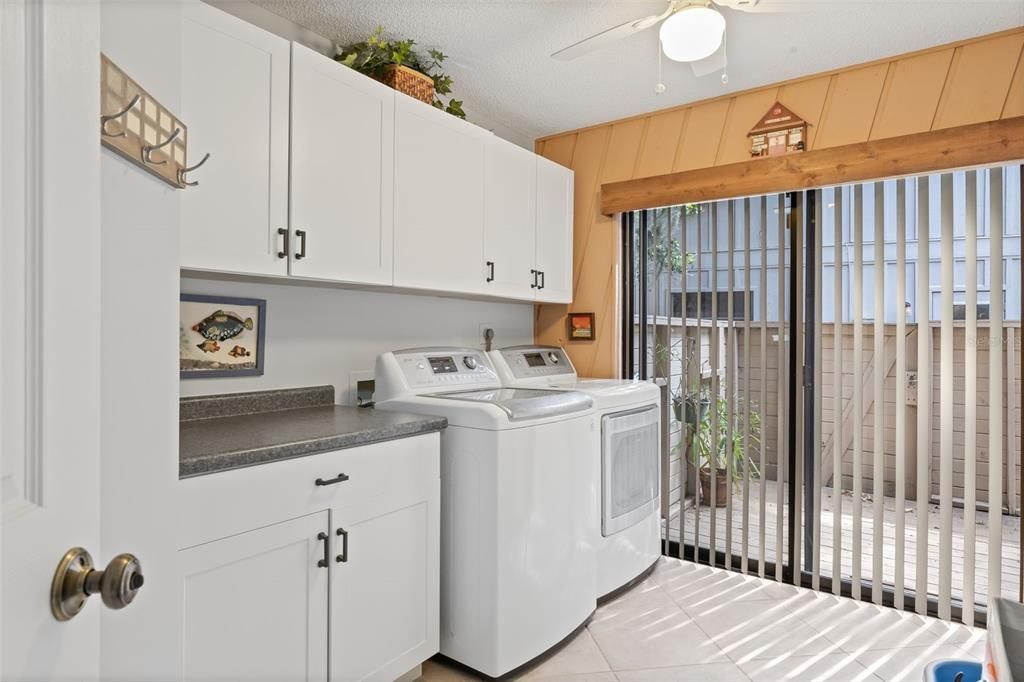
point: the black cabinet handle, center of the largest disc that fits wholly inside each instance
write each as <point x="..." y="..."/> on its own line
<point x="301" y="234"/>
<point x="534" y="273"/>
<point x="343" y="557"/>
<point x="331" y="481"/>
<point x="490" y="266"/>
<point x="283" y="253"/>
<point x="325" y="562"/>
<point x="541" y="273"/>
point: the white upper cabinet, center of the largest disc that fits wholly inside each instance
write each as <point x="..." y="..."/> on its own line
<point x="342" y="161"/>
<point x="439" y="199"/>
<point x="554" y="231"/>
<point x="235" y="104"/>
<point x="510" y="198"/>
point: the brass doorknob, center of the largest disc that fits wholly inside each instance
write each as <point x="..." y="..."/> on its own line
<point x="76" y="580"/>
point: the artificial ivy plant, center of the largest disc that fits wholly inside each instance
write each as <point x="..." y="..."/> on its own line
<point x="372" y="55"/>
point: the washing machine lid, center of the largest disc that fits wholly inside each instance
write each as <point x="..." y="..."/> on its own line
<point x="525" y="403"/>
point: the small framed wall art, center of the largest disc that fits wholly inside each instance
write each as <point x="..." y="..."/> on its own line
<point x="581" y="327"/>
<point x="220" y="336"/>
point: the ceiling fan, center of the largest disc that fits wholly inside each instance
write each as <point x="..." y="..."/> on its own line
<point x="690" y="31"/>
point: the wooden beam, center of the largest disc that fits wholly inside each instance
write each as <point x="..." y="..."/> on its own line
<point x="963" y="146"/>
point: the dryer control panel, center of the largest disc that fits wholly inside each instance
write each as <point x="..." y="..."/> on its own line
<point x="531" y="362"/>
<point x="446" y="369"/>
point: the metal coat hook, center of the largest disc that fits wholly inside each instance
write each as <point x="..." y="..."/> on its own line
<point x="106" y="119"/>
<point x="148" y="150"/>
<point x="182" y="171"/>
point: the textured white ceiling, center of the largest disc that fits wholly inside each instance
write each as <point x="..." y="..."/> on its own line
<point x="500" y="50"/>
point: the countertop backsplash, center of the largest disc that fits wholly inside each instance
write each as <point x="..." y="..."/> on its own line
<point x="319" y="335"/>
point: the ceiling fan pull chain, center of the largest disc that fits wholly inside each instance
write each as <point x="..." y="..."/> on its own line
<point x="725" y="54"/>
<point x="660" y="87"/>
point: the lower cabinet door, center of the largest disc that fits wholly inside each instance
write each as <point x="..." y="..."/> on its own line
<point x="255" y="604"/>
<point x="384" y="585"/>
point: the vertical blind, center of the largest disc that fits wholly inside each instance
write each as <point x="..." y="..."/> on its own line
<point x="844" y="369"/>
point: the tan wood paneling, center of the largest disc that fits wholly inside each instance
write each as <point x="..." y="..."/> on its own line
<point x="806" y="99"/>
<point x="660" y="143"/>
<point x="965" y="146"/>
<point x="560" y="150"/>
<point x="978" y="79"/>
<point x="911" y="93"/>
<point x="744" y="114"/>
<point x="880" y="101"/>
<point x="698" y="144"/>
<point x="623" y="148"/>
<point x="850" y="107"/>
<point x="588" y="157"/>
<point x="1014" y="105"/>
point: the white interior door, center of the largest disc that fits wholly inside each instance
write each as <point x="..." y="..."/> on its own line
<point x="235" y="104"/>
<point x="510" y="219"/>
<point x="554" y="231"/>
<point x="50" y="329"/>
<point x="342" y="162"/>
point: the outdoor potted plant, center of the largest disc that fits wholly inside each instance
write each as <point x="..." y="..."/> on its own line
<point x="397" y="65"/>
<point x="715" y="449"/>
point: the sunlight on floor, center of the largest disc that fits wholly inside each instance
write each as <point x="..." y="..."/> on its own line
<point x="691" y="622"/>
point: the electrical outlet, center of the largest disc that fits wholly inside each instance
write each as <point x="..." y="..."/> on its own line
<point x="360" y="387"/>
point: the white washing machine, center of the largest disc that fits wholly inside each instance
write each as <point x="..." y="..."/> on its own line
<point x="625" y="460"/>
<point x="517" y="570"/>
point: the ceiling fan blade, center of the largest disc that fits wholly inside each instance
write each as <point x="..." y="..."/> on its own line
<point x="609" y="36"/>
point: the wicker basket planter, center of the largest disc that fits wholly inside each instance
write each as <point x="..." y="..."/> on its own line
<point x="410" y="82"/>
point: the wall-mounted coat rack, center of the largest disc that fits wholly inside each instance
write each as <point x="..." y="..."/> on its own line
<point x="142" y="130"/>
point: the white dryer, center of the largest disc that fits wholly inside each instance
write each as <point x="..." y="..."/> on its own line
<point x="517" y="570"/>
<point x="625" y="460"/>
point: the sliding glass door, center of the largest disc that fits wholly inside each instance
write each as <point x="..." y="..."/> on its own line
<point x="844" y="370"/>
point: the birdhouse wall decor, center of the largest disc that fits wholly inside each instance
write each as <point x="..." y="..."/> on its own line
<point x="779" y="132"/>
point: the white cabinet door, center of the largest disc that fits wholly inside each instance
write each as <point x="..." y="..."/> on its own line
<point x="554" y="231"/>
<point x="342" y="161"/>
<point x="255" y="604"/>
<point x="439" y="200"/>
<point x="384" y="595"/>
<point x="235" y="103"/>
<point x="510" y="219"/>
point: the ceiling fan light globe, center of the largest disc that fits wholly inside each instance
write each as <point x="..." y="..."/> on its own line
<point x="692" y="34"/>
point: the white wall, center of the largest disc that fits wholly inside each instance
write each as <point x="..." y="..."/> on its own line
<point x="320" y="335"/>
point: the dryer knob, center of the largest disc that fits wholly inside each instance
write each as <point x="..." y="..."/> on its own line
<point x="553" y="357"/>
<point x="469" y="361"/>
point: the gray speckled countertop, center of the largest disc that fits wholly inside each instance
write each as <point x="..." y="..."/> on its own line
<point x="254" y="428"/>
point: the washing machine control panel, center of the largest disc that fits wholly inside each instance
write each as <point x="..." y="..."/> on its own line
<point x="446" y="369"/>
<point x="529" y="363"/>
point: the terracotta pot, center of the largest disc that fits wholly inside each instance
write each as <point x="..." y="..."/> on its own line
<point x="721" y="487"/>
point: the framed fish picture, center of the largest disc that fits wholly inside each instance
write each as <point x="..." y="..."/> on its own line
<point x="220" y="336"/>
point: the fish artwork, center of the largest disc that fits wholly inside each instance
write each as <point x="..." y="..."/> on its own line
<point x="208" y="346"/>
<point x="221" y="326"/>
<point x="239" y="352"/>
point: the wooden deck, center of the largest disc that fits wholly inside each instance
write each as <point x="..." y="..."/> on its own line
<point x="1010" y="578"/>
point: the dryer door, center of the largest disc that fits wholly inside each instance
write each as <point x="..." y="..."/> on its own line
<point x="629" y="468"/>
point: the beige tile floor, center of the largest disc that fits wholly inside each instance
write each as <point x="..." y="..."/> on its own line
<point x="691" y="622"/>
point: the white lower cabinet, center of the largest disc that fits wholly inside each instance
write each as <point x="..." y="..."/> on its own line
<point x="384" y="596"/>
<point x="286" y="579"/>
<point x="255" y="604"/>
